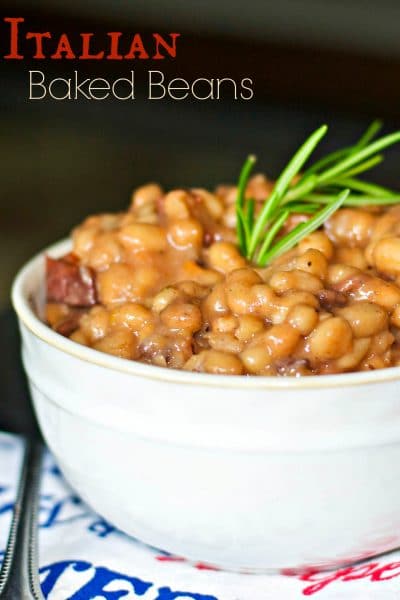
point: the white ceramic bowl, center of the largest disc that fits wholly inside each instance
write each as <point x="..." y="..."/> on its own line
<point x="241" y="472"/>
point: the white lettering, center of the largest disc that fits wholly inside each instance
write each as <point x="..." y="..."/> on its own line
<point x="60" y="80"/>
<point x="36" y="83"/>
<point x="153" y="84"/>
<point x="131" y="85"/>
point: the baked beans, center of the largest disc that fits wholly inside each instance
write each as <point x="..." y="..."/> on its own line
<point x="165" y="284"/>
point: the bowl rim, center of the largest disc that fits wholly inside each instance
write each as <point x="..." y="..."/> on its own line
<point x="31" y="321"/>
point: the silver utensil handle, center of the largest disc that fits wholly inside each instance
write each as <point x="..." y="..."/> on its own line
<point x="19" y="577"/>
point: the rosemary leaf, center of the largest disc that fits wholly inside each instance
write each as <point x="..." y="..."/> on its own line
<point x="358" y="157"/>
<point x="364" y="166"/>
<point x="327" y="160"/>
<point x="272" y="232"/>
<point x="355" y="200"/>
<point x="242" y="228"/>
<point x="305" y="185"/>
<point x="370" y="133"/>
<point x="298" y="233"/>
<point x="333" y="157"/>
<point x="363" y="186"/>
<point x="243" y="179"/>
<point x="250" y="213"/>
<point x="301" y="207"/>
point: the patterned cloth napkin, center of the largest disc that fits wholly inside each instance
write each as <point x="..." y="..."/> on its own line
<point x="82" y="557"/>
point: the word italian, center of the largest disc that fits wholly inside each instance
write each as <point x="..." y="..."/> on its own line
<point x="87" y="46"/>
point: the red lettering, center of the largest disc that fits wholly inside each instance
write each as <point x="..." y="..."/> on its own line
<point x="114" y="46"/>
<point x="377" y="575"/>
<point x="170" y="48"/>
<point x="321" y="582"/>
<point x="371" y="570"/>
<point x="360" y="572"/>
<point x="38" y="37"/>
<point x="86" y="37"/>
<point x="347" y="574"/>
<point x="137" y="46"/>
<point x="64" y="47"/>
<point x="14" y="30"/>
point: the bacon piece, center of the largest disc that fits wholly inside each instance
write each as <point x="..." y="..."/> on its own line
<point x="70" y="283"/>
<point x="70" y="324"/>
<point x="331" y="298"/>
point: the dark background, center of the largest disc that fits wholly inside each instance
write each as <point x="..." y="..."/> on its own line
<point x="312" y="61"/>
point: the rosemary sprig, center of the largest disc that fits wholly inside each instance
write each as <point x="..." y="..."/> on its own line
<point x="319" y="191"/>
<point x="282" y="183"/>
